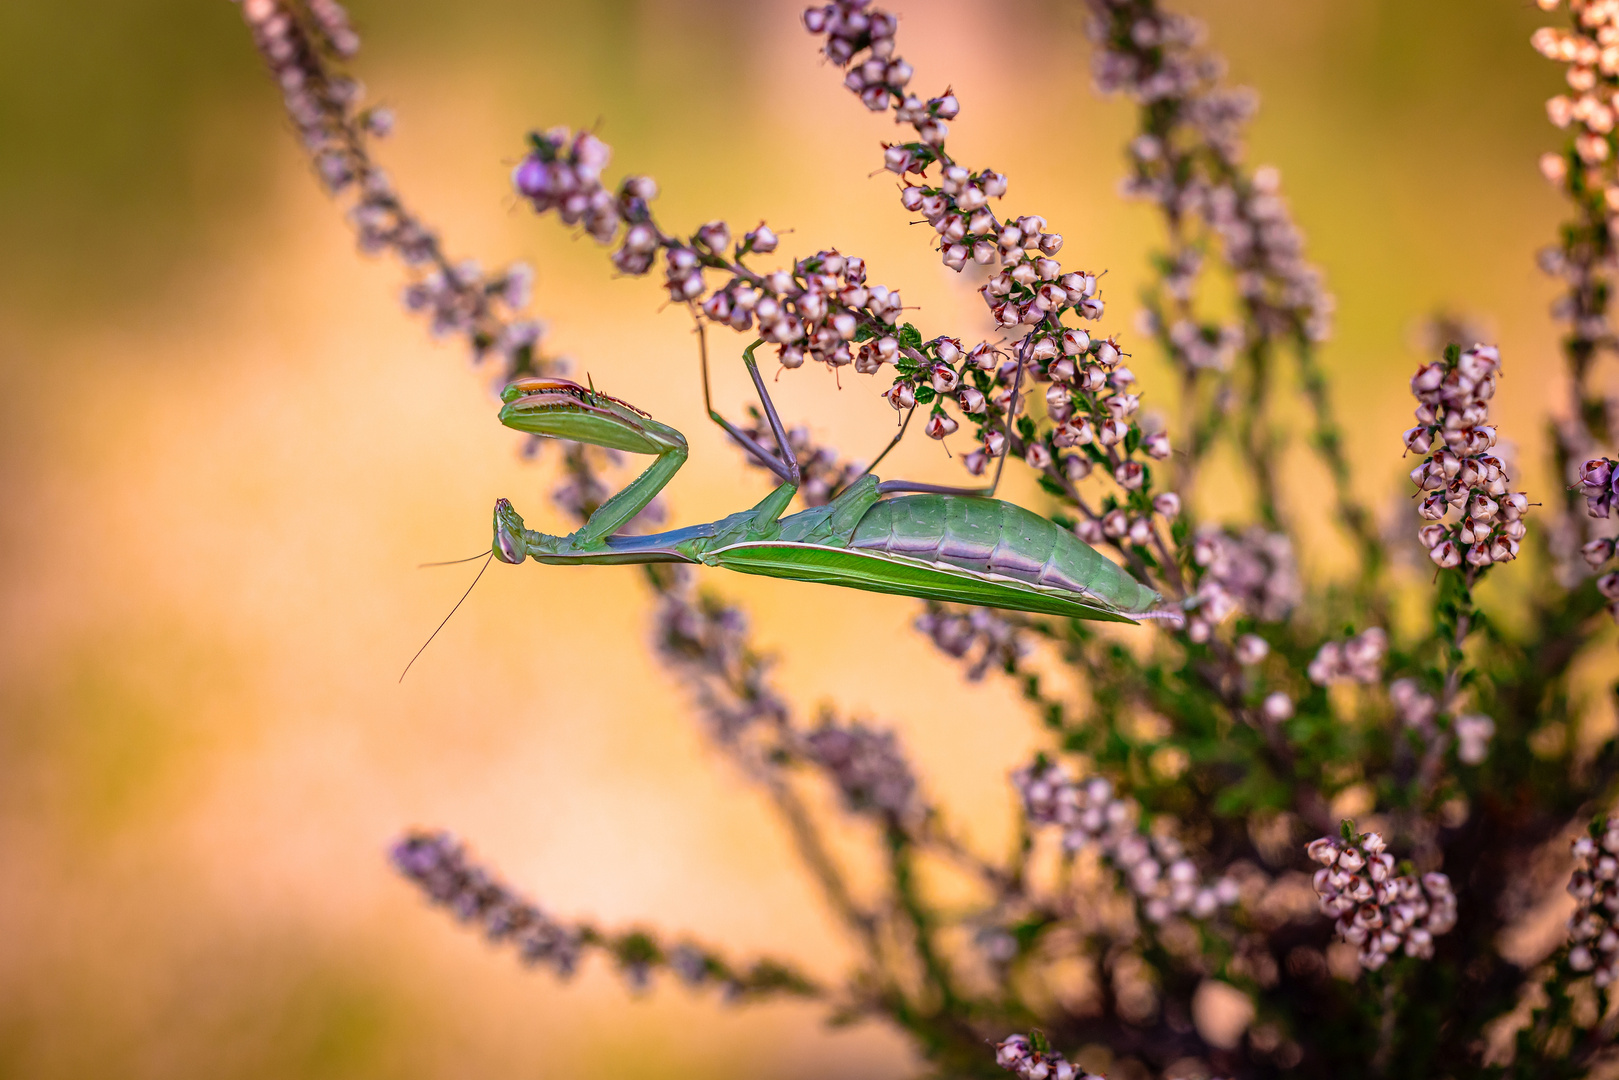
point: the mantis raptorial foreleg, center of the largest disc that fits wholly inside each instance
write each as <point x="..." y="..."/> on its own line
<point x="558" y="409"/>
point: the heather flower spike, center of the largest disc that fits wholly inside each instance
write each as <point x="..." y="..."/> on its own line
<point x="1166" y="865"/>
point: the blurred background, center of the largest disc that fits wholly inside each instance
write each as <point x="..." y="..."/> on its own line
<point x="224" y="449"/>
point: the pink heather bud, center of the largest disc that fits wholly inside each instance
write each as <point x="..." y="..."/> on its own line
<point x="1597" y="552"/>
<point x="1107" y="353"/>
<point x="1050" y="243"/>
<point x="1011" y="238"/>
<point x="1446" y="555"/>
<point x="1482" y="508"/>
<point x="940" y="425"/>
<point x="1554" y="167"/>
<point x="1514" y="506"/>
<point x="1013" y="1052"/>
<point x="1596" y="474"/>
<point x="911" y="198"/>
<point x="718" y="307"/>
<point x="1598" y="506"/>
<point x="1434" y="506"/>
<point x="901" y="397"/>
<point x="1051" y="297"/>
<point x="791" y="356"/>
<point x="945" y="108"/>
<point x="1156" y="445"/>
<point x="1168" y="504"/>
<point x="1323" y="851"/>
<point x="898" y="73"/>
<point x="1608" y="585"/>
<point x="1427" y="477"/>
<point x="1428" y="378"/>
<point x="716" y="236"/>
<point x="1112" y="430"/>
<point x="1077" y="467"/>
<point x="1075" y="342"/>
<point x="1130" y="475"/>
<point x="1061" y="371"/>
<point x="955" y="257"/>
<point x="1251" y="649"/>
<point x="995" y="442"/>
<point x="1115" y="523"/>
<point x="887" y="349"/>
<point x="1092" y="307"/>
<point x="1478" y="555"/>
<point x="1449" y="463"/>
<point x="942" y="378"/>
<point x="971" y="400"/>
<point x="1430" y="535"/>
<point x="976" y="462"/>
<point x="1419" y="440"/>
<point x="1089" y="531"/>
<point x="815" y="19"/>
<point x="1042" y="350"/>
<point x="1037" y="455"/>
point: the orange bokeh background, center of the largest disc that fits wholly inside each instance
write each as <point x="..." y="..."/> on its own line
<point x="225" y="448"/>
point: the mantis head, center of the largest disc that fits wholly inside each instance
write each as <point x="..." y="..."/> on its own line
<point x="560" y="409"/>
<point x="510" y="545"/>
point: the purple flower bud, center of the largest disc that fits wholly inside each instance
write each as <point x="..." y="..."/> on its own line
<point x="940" y="425"/>
<point x="1419" y="440"/>
<point x="1251" y="649"/>
<point x="1446" y="555"/>
<point x="1597" y="552"/>
<point x="1167" y="503"/>
<point x="1596" y="474"/>
<point x="532" y="178"/>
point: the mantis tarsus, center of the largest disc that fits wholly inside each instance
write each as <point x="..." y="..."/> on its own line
<point x="935" y="543"/>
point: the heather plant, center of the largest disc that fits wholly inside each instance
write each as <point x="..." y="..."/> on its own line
<point x="1277" y="830"/>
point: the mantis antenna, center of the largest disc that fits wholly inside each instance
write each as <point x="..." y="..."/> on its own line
<point x="451" y="562"/>
<point x="453" y="610"/>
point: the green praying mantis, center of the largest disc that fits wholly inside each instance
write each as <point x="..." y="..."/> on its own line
<point x="957" y="545"/>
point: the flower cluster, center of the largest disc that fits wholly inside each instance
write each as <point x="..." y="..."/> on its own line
<point x="816" y="310"/>
<point x="1458" y="471"/>
<point x="438" y="863"/>
<point x="300" y="43"/>
<point x="1419" y="711"/>
<point x="1594" y="926"/>
<point x="958" y="632"/>
<point x="706" y="641"/>
<point x="1032" y="1059"/>
<point x="866" y="766"/>
<point x="1255" y="573"/>
<point x="1376" y="909"/>
<point x="1189" y="162"/>
<point x="1165" y="881"/>
<point x="1090" y="399"/>
<point x="1591" y="51"/>
<point x="1599" y="482"/>
<point x="1359" y="659"/>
